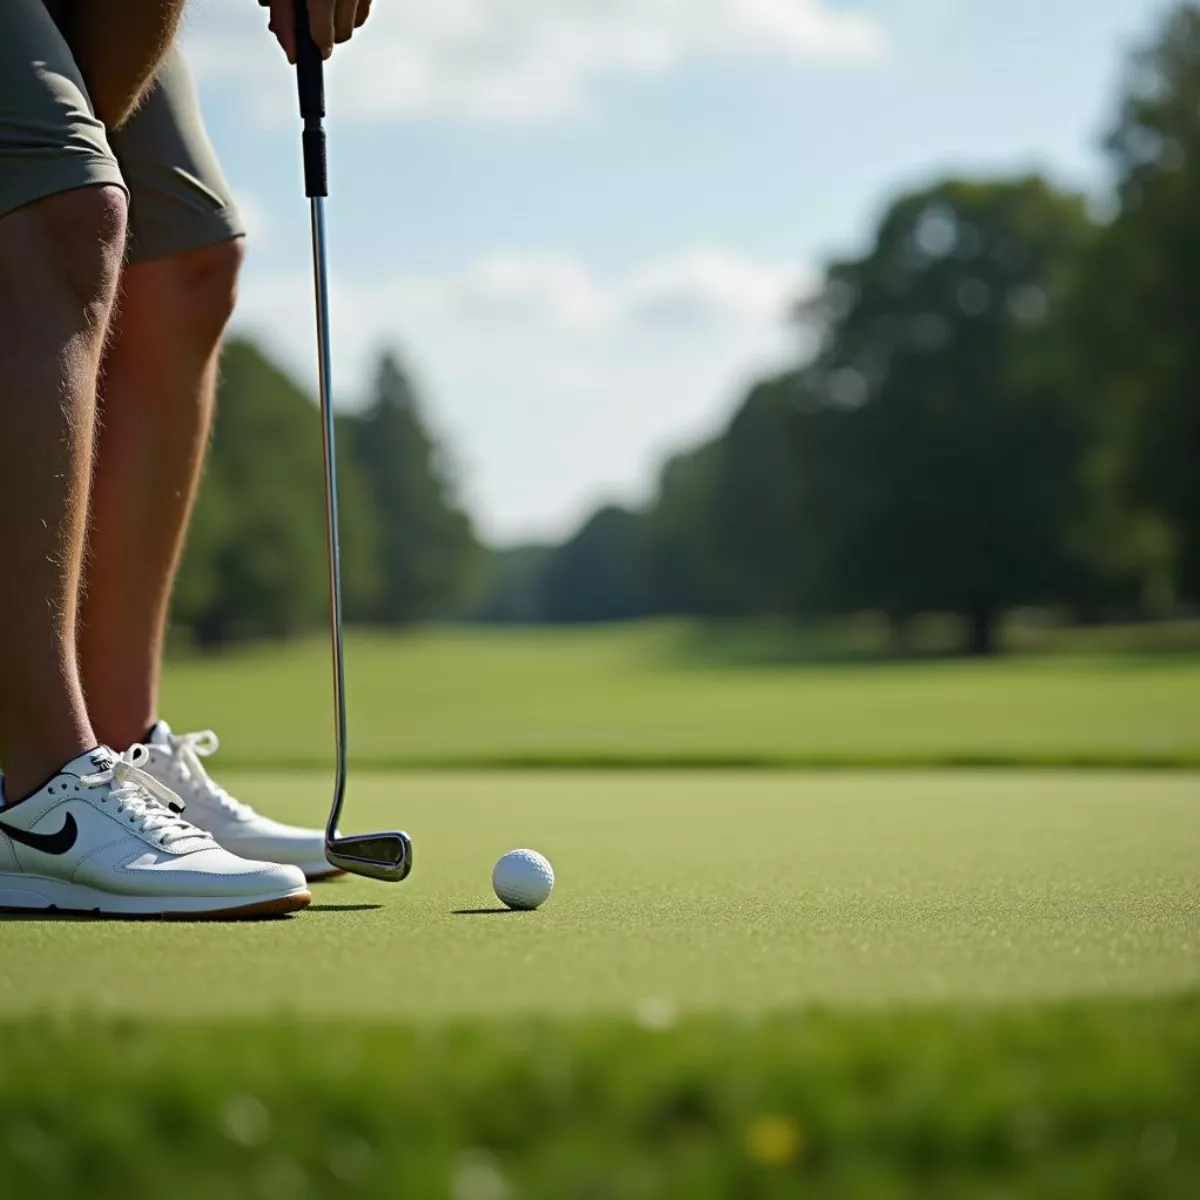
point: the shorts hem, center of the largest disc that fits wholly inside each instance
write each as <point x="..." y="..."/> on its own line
<point x="195" y="233"/>
<point x="30" y="183"/>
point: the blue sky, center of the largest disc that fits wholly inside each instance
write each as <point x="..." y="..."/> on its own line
<point x="582" y="221"/>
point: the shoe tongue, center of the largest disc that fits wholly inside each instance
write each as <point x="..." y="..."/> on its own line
<point x="159" y="734"/>
<point x="88" y="763"/>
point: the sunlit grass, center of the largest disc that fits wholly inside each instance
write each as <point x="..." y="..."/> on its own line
<point x="705" y="891"/>
<point x="675" y="695"/>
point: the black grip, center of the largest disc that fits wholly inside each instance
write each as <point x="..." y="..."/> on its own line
<point x="310" y="68"/>
<point x="316" y="169"/>
<point x="310" y="83"/>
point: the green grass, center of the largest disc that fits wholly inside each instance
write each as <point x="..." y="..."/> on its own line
<point x="862" y="983"/>
<point x="1078" y="1101"/>
<point x="749" y="984"/>
<point x="663" y="695"/>
<point x="710" y="892"/>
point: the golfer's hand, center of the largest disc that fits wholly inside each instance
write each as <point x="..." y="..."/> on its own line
<point x="329" y="21"/>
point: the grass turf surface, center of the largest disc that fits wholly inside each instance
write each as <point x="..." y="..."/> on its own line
<point x="712" y="891"/>
<point x="666" y="694"/>
<point x="1086" y="1101"/>
<point x="863" y="985"/>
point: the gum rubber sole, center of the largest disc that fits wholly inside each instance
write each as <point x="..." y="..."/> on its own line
<point x="278" y="906"/>
<point x="264" y="908"/>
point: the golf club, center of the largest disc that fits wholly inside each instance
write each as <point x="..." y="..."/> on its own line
<point x="388" y="855"/>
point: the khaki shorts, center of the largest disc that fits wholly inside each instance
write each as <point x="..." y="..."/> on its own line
<point x="51" y="141"/>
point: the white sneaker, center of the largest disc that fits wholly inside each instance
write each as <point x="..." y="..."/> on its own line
<point x="102" y="836"/>
<point x="175" y="762"/>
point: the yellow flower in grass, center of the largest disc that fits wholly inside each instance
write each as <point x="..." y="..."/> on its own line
<point x="774" y="1140"/>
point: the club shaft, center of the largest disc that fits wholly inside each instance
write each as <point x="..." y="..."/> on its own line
<point x="333" y="541"/>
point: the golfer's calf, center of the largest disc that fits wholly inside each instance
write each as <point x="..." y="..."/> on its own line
<point x="155" y="415"/>
<point x="60" y="261"/>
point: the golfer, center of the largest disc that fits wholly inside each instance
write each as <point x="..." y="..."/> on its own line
<point x="120" y="246"/>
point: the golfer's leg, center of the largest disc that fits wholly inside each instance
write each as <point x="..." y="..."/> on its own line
<point x="59" y="263"/>
<point x="159" y="381"/>
<point x="156" y="406"/>
<point x="62" y="226"/>
<point x="157" y="397"/>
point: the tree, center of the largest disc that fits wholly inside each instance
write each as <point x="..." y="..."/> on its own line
<point x="255" y="564"/>
<point x="679" y="561"/>
<point x="426" y="548"/>
<point x="786" y="498"/>
<point x="1137" y="331"/>
<point x="964" y="450"/>
<point x="512" y="590"/>
<point x="596" y="575"/>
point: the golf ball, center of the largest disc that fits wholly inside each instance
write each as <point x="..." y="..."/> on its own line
<point x="523" y="879"/>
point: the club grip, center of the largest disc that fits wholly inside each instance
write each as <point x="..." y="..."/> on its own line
<point x="310" y="83"/>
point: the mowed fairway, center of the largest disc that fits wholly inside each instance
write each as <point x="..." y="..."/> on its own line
<point x="711" y="891"/>
<point x="670" y="694"/>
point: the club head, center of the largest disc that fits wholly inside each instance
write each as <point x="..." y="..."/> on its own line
<point x="384" y="856"/>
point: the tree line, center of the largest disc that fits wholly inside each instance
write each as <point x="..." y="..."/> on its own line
<point x="1003" y="409"/>
<point x="255" y="564"/>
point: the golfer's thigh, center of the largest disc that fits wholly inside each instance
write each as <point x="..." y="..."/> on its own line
<point x="50" y="140"/>
<point x="179" y="198"/>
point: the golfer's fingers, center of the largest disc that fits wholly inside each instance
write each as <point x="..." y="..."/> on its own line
<point x="364" y="11"/>
<point x="345" y="20"/>
<point x="321" y="21"/>
<point x="283" y="26"/>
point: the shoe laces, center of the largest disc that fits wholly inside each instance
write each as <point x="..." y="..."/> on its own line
<point x="149" y="806"/>
<point x="187" y="749"/>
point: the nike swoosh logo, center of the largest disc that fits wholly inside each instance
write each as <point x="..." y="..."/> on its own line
<point x="48" y="843"/>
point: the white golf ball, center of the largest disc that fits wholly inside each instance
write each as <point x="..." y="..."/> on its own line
<point x="523" y="879"/>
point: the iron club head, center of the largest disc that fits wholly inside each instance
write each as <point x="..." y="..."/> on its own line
<point x="385" y="856"/>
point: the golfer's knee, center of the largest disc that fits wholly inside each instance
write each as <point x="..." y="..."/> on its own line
<point x="80" y="245"/>
<point x="206" y="282"/>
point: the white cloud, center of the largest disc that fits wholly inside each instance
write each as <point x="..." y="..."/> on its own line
<point x="708" y="287"/>
<point x="533" y="60"/>
<point x="556" y="385"/>
<point x="690" y="291"/>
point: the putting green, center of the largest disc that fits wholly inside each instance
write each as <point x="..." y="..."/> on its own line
<point x="713" y="891"/>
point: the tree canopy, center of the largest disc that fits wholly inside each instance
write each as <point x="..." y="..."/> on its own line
<point x="255" y="564"/>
